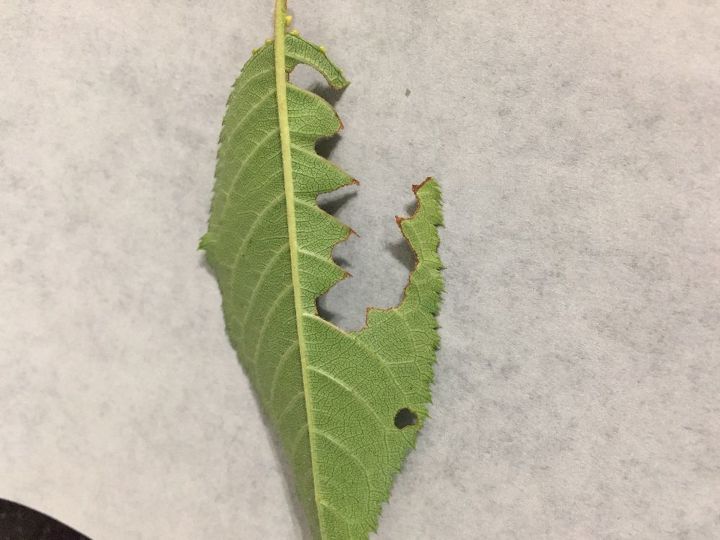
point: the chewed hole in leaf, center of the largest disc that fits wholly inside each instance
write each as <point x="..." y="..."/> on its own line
<point x="404" y="418"/>
<point x="380" y="260"/>
<point x="307" y="77"/>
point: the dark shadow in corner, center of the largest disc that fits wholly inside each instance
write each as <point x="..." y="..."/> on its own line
<point x="18" y="522"/>
<point x="410" y="208"/>
<point x="327" y="92"/>
<point x="402" y="253"/>
<point x="401" y="250"/>
<point x="342" y="261"/>
<point x="325" y="313"/>
<point x="325" y="147"/>
<point x="334" y="201"/>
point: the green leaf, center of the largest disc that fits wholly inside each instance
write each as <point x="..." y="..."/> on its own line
<point x="346" y="406"/>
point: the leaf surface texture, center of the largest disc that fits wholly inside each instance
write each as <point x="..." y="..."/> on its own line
<point x="333" y="397"/>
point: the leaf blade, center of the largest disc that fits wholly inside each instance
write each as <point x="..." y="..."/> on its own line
<point x="333" y="396"/>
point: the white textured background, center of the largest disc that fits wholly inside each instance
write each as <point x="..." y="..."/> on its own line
<point x="578" y="145"/>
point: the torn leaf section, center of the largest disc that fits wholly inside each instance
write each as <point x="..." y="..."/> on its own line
<point x="407" y="335"/>
<point x="361" y="380"/>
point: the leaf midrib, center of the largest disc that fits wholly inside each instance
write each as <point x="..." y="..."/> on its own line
<point x="289" y="187"/>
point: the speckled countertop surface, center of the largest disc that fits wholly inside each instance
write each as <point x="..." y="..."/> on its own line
<point x="578" y="145"/>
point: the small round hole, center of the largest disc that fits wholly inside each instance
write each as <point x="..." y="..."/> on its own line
<point x="404" y="418"/>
